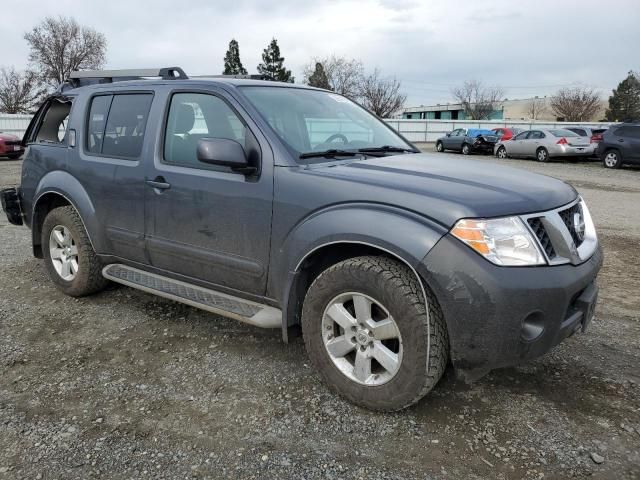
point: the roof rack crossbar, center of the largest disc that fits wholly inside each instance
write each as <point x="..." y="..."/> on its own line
<point x="166" y="73"/>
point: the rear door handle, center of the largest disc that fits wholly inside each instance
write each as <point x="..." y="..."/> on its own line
<point x="159" y="183"/>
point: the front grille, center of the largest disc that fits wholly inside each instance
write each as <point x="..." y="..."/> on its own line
<point x="543" y="237"/>
<point x="567" y="217"/>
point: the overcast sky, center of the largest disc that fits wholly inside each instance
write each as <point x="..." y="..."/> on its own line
<point x="528" y="47"/>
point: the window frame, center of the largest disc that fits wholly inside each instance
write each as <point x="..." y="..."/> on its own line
<point x="113" y="93"/>
<point x="201" y="165"/>
<point x="524" y="134"/>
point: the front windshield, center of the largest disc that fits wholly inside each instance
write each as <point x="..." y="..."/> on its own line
<point x="316" y="121"/>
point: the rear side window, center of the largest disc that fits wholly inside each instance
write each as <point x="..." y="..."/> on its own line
<point x="628" y="131"/>
<point x="117" y="124"/>
<point x="535" y="134"/>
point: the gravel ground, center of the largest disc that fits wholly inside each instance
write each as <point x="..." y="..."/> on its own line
<point x="126" y="385"/>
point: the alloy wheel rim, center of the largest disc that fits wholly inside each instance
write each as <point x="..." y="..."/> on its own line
<point x="465" y="149"/>
<point x="610" y="160"/>
<point x="502" y="153"/>
<point x="362" y="339"/>
<point x="63" y="252"/>
<point x="542" y="155"/>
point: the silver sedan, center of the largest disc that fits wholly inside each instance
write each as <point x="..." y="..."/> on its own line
<point x="543" y="144"/>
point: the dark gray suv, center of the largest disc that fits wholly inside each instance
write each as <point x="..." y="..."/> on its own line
<point x="291" y="207"/>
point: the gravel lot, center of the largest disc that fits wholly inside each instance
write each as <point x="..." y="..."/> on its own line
<point x="127" y="385"/>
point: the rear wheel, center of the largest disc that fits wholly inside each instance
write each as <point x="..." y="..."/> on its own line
<point x="466" y="149"/>
<point x="501" y="153"/>
<point x="612" y="159"/>
<point x="542" y="155"/>
<point x="72" y="264"/>
<point x="368" y="332"/>
<point x="439" y="147"/>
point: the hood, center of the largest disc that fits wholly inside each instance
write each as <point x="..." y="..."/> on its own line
<point x="447" y="190"/>
<point x="8" y="136"/>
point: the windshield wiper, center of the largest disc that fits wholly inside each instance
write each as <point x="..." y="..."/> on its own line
<point x="332" y="153"/>
<point x="386" y="148"/>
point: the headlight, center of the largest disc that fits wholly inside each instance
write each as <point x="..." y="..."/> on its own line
<point x="503" y="241"/>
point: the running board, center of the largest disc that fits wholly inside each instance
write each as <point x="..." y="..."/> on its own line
<point x="216" y="302"/>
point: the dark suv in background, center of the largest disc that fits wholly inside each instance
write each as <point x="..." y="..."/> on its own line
<point x="620" y="144"/>
<point x="286" y="206"/>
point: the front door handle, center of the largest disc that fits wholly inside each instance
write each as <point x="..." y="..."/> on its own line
<point x="159" y="183"/>
<point x="621" y="140"/>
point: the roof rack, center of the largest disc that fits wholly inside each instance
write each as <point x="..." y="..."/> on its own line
<point x="253" y="76"/>
<point x="90" y="77"/>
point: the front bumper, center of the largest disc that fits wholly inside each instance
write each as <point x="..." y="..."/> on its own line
<point x="483" y="147"/>
<point x="501" y="316"/>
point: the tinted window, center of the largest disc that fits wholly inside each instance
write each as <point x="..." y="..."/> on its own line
<point x="536" y="134"/>
<point x="126" y="122"/>
<point x="193" y="116"/>
<point x="579" y="131"/>
<point x="521" y="136"/>
<point x="561" y="132"/>
<point x="97" y="121"/>
<point x="628" y="131"/>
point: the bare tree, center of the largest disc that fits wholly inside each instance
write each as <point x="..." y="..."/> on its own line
<point x="344" y="75"/>
<point x="20" y="92"/>
<point x="478" y="101"/>
<point x="536" y="107"/>
<point x="60" y="45"/>
<point x="578" y="104"/>
<point x="381" y="95"/>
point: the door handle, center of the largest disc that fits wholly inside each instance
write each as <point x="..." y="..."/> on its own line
<point x="621" y="140"/>
<point x="159" y="183"/>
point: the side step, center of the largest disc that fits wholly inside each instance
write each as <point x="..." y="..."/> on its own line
<point x="216" y="302"/>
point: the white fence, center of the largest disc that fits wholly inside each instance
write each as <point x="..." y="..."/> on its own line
<point x="413" y="130"/>
<point x="431" y="130"/>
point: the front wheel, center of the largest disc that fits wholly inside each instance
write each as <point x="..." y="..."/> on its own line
<point x="369" y="333"/>
<point x="501" y="153"/>
<point x="466" y="149"/>
<point x="439" y="147"/>
<point x="542" y="155"/>
<point x="612" y="159"/>
<point x="72" y="264"/>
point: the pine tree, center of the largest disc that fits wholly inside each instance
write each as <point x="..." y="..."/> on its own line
<point x="232" y="63"/>
<point x="271" y="67"/>
<point x="624" y="104"/>
<point x="319" y="78"/>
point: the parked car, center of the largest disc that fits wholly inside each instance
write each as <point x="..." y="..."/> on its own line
<point x="620" y="144"/>
<point x="10" y="146"/>
<point x="220" y="193"/>
<point x="544" y="144"/>
<point x="468" y="141"/>
<point x="594" y="134"/>
<point x="505" y="134"/>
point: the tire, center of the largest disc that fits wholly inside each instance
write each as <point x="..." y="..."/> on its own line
<point x="439" y="147"/>
<point x="502" y="153"/>
<point x="87" y="278"/>
<point x="466" y="149"/>
<point x="542" y="155"/>
<point x="422" y="347"/>
<point x="13" y="157"/>
<point x="612" y="159"/>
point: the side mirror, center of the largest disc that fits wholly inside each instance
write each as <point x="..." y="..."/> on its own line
<point x="224" y="152"/>
<point x="449" y="134"/>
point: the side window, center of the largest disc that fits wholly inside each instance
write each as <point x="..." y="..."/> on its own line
<point x="521" y="136"/>
<point x="535" y="135"/>
<point x="117" y="123"/>
<point x="193" y="116"/>
<point x="579" y="131"/>
<point x="97" y="121"/>
<point x="53" y="128"/>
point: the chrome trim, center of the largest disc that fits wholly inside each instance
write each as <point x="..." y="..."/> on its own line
<point x="561" y="239"/>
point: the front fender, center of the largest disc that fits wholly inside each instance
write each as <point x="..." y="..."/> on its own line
<point x="61" y="183"/>
<point x="403" y="234"/>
